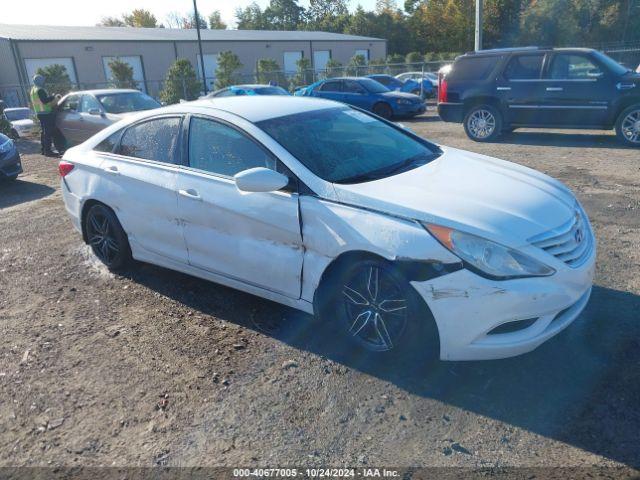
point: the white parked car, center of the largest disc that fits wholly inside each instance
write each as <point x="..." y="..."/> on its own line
<point x="21" y="121"/>
<point x="314" y="204"/>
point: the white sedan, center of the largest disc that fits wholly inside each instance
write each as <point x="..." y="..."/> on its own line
<point x="402" y="243"/>
<point x="21" y="121"/>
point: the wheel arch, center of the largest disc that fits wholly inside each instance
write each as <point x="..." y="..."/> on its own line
<point x="482" y="100"/>
<point x="622" y="106"/>
<point x="86" y="206"/>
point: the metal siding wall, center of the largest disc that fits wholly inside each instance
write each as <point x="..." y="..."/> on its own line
<point x="8" y="72"/>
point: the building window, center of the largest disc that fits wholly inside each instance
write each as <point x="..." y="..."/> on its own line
<point x="290" y="59"/>
<point x="210" y="66"/>
<point x="33" y="64"/>
<point x="134" y="61"/>
<point x="320" y="59"/>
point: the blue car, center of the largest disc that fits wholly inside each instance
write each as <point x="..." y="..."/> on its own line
<point x="409" y="85"/>
<point x="10" y="164"/>
<point x="235" y="90"/>
<point x="367" y="94"/>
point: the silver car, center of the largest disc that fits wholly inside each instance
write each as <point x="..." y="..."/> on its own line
<point x="81" y="115"/>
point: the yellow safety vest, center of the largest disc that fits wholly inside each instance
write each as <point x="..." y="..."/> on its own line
<point x="38" y="105"/>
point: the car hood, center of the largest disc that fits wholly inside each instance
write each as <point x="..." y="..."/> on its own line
<point x="498" y="200"/>
<point x="396" y="95"/>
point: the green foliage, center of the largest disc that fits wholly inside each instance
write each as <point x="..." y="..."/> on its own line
<point x="413" y="57"/>
<point x="111" y="22"/>
<point x="378" y="65"/>
<point x="227" y="70"/>
<point x="357" y="66"/>
<point x="140" y="18"/>
<point x="333" y="69"/>
<point x="283" y="14"/>
<point x="121" y="74"/>
<point x="57" y="80"/>
<point x="251" y="18"/>
<point x="268" y="71"/>
<point x="181" y="83"/>
<point x="304" y="73"/>
<point x="215" y="21"/>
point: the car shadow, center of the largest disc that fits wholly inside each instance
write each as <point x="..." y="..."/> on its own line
<point x="21" y="191"/>
<point x="562" y="139"/>
<point x="28" y="145"/>
<point x="581" y="387"/>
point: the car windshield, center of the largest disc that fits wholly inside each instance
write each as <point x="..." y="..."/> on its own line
<point x="614" y="66"/>
<point x="17" y="114"/>
<point x="344" y="145"/>
<point x="372" y="86"/>
<point x="127" y="102"/>
<point x="270" y="91"/>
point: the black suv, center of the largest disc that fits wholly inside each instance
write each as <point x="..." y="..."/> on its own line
<point x="493" y="91"/>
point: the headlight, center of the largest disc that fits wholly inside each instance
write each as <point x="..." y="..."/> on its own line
<point x="404" y="101"/>
<point x="6" y="146"/>
<point x="488" y="257"/>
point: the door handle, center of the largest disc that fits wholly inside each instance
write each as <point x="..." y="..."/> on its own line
<point x="555" y="89"/>
<point x="503" y="89"/>
<point x="112" y="169"/>
<point x="190" y="193"/>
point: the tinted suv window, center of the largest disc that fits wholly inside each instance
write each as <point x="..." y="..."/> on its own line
<point x="219" y="149"/>
<point x="524" y="67"/>
<point x="573" y="67"/>
<point x="473" y="68"/>
<point x="331" y="87"/>
<point x="152" y="140"/>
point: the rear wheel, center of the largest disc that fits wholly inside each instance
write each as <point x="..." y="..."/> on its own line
<point x="106" y="237"/>
<point x="483" y="123"/>
<point x="383" y="110"/>
<point x="376" y="309"/>
<point x="14" y="134"/>
<point x="628" y="126"/>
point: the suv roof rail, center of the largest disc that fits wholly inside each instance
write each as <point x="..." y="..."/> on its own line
<point x="509" y="49"/>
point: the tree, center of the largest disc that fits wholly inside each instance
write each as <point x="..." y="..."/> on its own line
<point x="284" y="14"/>
<point x="121" y="74"/>
<point x="356" y="66"/>
<point x="111" y="22"/>
<point x="268" y="71"/>
<point x="333" y="68"/>
<point x="56" y="78"/>
<point x="327" y="15"/>
<point x="181" y="82"/>
<point x="378" y="65"/>
<point x="140" y="18"/>
<point x="188" y="20"/>
<point x="395" y="64"/>
<point x="304" y="73"/>
<point x="215" y="21"/>
<point x="251" y="18"/>
<point x="227" y="69"/>
<point x="388" y="6"/>
<point x="413" y="58"/>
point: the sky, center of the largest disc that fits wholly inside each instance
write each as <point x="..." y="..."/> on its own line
<point x="76" y="12"/>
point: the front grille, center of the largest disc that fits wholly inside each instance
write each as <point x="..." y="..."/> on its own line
<point x="571" y="242"/>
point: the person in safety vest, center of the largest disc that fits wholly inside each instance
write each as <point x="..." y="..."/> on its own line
<point x="44" y="105"/>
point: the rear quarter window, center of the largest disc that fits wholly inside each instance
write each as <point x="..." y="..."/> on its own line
<point x="473" y="68"/>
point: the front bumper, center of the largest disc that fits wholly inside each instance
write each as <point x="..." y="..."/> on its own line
<point x="10" y="164"/>
<point x="410" y="110"/>
<point x="466" y="307"/>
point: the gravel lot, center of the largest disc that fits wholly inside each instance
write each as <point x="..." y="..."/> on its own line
<point x="158" y="368"/>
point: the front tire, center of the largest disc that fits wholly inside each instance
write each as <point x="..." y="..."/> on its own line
<point x="375" y="309"/>
<point x="628" y="126"/>
<point x="383" y="110"/>
<point x="483" y="123"/>
<point x="14" y="134"/>
<point x="106" y="237"/>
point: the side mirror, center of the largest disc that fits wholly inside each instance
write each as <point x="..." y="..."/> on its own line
<point x="260" y="179"/>
<point x="95" y="111"/>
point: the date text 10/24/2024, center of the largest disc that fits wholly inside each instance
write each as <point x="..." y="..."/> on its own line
<point x="316" y="472"/>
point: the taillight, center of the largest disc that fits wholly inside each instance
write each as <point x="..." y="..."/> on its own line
<point x="442" y="88"/>
<point x="65" y="168"/>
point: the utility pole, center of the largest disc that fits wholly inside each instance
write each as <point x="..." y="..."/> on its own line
<point x="197" y="19"/>
<point x="479" y="8"/>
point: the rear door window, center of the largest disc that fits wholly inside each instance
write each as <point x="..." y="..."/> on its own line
<point x="332" y="86"/>
<point x="573" y="67"/>
<point x="473" y="68"/>
<point x="524" y="67"/>
<point x="155" y="139"/>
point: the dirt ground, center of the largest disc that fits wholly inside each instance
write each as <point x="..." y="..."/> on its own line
<point x="158" y="368"/>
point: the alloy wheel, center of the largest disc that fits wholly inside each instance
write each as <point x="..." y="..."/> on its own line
<point x="631" y="127"/>
<point x="102" y="239"/>
<point x="376" y="309"/>
<point x="482" y="123"/>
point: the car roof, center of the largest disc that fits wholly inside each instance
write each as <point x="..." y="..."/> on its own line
<point x="253" y="85"/>
<point x="257" y="108"/>
<point x="499" y="51"/>
<point x="343" y="78"/>
<point x="105" y="91"/>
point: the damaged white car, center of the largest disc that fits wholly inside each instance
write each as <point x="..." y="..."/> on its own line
<point x="402" y="243"/>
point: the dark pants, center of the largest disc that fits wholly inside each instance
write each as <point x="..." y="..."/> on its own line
<point x="47" y="127"/>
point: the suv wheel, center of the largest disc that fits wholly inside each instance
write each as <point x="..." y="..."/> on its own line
<point x="628" y="126"/>
<point x="483" y="123"/>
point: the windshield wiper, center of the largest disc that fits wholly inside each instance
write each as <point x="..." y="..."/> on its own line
<point x="391" y="170"/>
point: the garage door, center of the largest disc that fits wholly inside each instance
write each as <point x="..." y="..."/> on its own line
<point x="320" y="59"/>
<point x="210" y="65"/>
<point x="33" y="64"/>
<point x="134" y="61"/>
<point x="290" y="59"/>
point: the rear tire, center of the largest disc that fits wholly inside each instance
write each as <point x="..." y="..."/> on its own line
<point x="106" y="237"/>
<point x="375" y="309"/>
<point x="383" y="110"/>
<point x="483" y="123"/>
<point x="628" y="126"/>
<point x="14" y="134"/>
